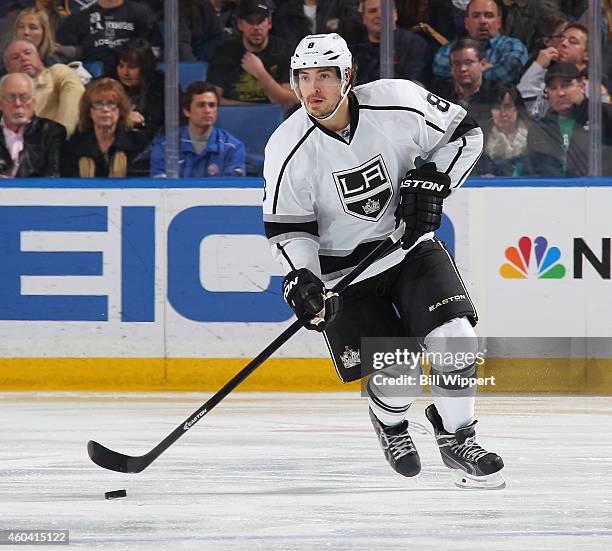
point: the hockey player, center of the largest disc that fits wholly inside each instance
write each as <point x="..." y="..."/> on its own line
<point x="340" y="173"/>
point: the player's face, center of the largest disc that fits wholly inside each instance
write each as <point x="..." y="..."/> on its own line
<point x="320" y="89"/>
<point x="563" y="94"/>
<point x="255" y="31"/>
<point x="573" y="47"/>
<point x="483" y="20"/>
<point x="128" y="73"/>
<point x="466" y="68"/>
<point x="203" y="111"/>
<point x="29" y="28"/>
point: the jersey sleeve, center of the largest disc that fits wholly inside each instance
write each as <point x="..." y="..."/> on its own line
<point x="447" y="135"/>
<point x="290" y="220"/>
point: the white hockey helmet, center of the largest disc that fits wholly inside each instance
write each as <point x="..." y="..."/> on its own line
<point x="322" y="50"/>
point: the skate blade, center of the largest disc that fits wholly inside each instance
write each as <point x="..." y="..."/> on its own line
<point x="494" y="481"/>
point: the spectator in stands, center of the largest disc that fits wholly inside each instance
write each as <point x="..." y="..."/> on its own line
<point x="54" y="11"/>
<point x="205" y="150"/>
<point x="437" y="20"/>
<point x="505" y="134"/>
<point x="105" y="144"/>
<point x="505" y="56"/>
<point x="528" y="20"/>
<point x="294" y="19"/>
<point x="468" y="88"/>
<point x="96" y="30"/>
<point x="559" y="144"/>
<point x="29" y="145"/>
<point x="33" y="24"/>
<point x="254" y="67"/>
<point x="573" y="47"/>
<point x="200" y="30"/>
<point x="143" y="84"/>
<point x="225" y="11"/>
<point x="410" y="52"/>
<point x="573" y="8"/>
<point x="57" y="89"/>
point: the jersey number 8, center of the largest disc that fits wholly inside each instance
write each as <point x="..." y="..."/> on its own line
<point x="438" y="103"/>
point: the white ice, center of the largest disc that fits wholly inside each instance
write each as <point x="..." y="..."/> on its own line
<point x="301" y="472"/>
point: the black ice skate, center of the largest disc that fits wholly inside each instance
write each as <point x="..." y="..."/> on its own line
<point x="397" y="446"/>
<point x="473" y="466"/>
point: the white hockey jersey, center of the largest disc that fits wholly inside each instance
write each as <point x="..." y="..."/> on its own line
<point x="329" y="201"/>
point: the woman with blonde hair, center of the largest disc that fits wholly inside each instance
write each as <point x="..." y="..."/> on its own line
<point x="105" y="145"/>
<point x="33" y="24"/>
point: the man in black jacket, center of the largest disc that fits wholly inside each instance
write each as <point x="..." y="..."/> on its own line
<point x="29" y="145"/>
<point x="559" y="144"/>
<point x="469" y="88"/>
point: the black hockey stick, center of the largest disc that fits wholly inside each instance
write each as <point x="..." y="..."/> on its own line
<point x="115" y="461"/>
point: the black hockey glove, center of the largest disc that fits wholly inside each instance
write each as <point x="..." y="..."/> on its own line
<point x="422" y="192"/>
<point x="312" y="304"/>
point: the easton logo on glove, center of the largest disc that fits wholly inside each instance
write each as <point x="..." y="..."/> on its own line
<point x="289" y="285"/>
<point x="422" y="192"/>
<point x="426" y="185"/>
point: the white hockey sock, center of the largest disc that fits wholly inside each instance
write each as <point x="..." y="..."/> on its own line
<point x="388" y="416"/>
<point x="453" y="399"/>
<point x="456" y="411"/>
<point x="390" y="404"/>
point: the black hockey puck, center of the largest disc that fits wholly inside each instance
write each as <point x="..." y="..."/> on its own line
<point x="115" y="494"/>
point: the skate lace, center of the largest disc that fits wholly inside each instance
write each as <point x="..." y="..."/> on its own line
<point x="469" y="450"/>
<point x="399" y="444"/>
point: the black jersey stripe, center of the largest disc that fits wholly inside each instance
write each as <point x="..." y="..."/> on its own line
<point x="456" y="158"/>
<point x="467" y="124"/>
<point x="331" y="264"/>
<point x="284" y="253"/>
<point x="285" y="163"/>
<point x="278" y="228"/>
<point x="465" y="174"/>
<point x="401" y="108"/>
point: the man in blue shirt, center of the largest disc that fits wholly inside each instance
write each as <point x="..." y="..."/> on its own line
<point x="505" y="56"/>
<point x="204" y="150"/>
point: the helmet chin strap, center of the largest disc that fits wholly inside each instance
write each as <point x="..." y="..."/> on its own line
<point x="348" y="89"/>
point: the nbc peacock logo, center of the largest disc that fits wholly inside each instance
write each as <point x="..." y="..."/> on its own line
<point x="532" y="259"/>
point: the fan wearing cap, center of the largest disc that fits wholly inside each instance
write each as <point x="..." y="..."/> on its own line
<point x="573" y="48"/>
<point x="253" y="67"/>
<point x="341" y="174"/>
<point x="559" y="144"/>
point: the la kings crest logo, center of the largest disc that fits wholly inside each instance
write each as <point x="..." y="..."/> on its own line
<point x="365" y="191"/>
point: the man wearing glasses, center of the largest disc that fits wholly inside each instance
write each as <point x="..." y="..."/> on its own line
<point x="505" y="55"/>
<point x="468" y="88"/>
<point x="29" y="145"/>
<point x="572" y="48"/>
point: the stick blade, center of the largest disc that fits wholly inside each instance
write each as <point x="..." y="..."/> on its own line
<point x="112" y="460"/>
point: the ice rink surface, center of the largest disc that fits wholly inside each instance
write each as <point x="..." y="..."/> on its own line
<point x="301" y="472"/>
